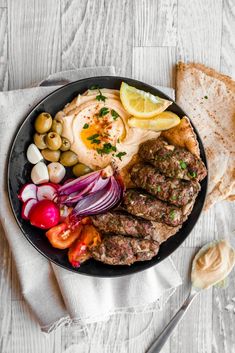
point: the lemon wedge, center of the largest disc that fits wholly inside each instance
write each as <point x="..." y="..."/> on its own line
<point x="162" y="121"/>
<point x="141" y="104"/>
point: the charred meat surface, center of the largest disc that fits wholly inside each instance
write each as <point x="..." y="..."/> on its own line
<point x="177" y="192"/>
<point x="173" y="161"/>
<point x="120" y="250"/>
<point x="122" y="223"/>
<point x="125" y="224"/>
<point x="148" y="207"/>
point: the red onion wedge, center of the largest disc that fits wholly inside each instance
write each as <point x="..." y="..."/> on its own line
<point x="93" y="193"/>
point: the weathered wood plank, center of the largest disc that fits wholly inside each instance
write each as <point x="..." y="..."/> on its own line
<point x="155" y="65"/>
<point x="3" y="3"/>
<point x="26" y="335"/>
<point x="97" y="33"/>
<point x="3" y="50"/>
<point x="223" y="317"/>
<point x="34" y="41"/>
<point x="225" y="220"/>
<point x="224" y="298"/>
<point x="122" y="333"/>
<point x="204" y="231"/>
<point x="199" y="31"/>
<point x="228" y="39"/>
<point x="194" y="332"/>
<point x="155" y="23"/>
<point x="5" y="293"/>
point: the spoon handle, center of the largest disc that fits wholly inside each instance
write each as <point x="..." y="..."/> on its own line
<point x="167" y="331"/>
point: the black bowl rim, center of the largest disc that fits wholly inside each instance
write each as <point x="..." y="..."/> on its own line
<point x="145" y="265"/>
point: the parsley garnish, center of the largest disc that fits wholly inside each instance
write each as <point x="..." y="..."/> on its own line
<point x="92" y="137"/>
<point x="120" y="155"/>
<point x="100" y="97"/>
<point x="172" y="215"/>
<point x="95" y="141"/>
<point x="173" y="197"/>
<point x="205" y="97"/>
<point x="183" y="165"/>
<point x="85" y="126"/>
<point x="94" y="87"/>
<point x="115" y="115"/>
<point x="103" y="111"/>
<point x="106" y="149"/>
<point x="192" y="174"/>
<point x="158" y="188"/>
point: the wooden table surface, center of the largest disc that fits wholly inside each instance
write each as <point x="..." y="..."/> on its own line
<point x="143" y="39"/>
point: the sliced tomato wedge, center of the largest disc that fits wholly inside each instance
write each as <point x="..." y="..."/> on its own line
<point x="79" y="251"/>
<point x="62" y="236"/>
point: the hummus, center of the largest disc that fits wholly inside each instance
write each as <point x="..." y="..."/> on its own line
<point x="213" y="264"/>
<point x="95" y="123"/>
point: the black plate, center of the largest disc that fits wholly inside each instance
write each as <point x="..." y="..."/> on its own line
<point x="19" y="173"/>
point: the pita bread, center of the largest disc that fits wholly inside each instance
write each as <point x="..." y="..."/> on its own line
<point x="183" y="135"/>
<point x="208" y="97"/>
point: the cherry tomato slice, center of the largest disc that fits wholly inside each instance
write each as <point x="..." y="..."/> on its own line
<point x="62" y="237"/>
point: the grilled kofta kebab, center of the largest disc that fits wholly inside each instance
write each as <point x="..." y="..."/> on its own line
<point x="177" y="192"/>
<point x="120" y="250"/>
<point x="148" y="207"/>
<point x="173" y="161"/>
<point x="117" y="222"/>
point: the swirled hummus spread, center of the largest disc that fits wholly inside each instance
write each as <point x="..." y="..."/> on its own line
<point x="213" y="264"/>
<point x="95" y="123"/>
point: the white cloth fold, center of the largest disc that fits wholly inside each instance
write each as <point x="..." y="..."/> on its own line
<point x="54" y="294"/>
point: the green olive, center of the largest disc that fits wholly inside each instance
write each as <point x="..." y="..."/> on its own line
<point x="51" y="156"/>
<point x="57" y="127"/>
<point x="81" y="169"/>
<point x="43" y="123"/>
<point x="68" y="158"/>
<point x="65" y="144"/>
<point x="53" y="141"/>
<point x="39" y="140"/>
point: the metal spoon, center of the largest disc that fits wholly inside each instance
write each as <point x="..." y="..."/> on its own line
<point x="167" y="331"/>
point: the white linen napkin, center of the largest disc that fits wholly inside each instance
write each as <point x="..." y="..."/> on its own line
<point x="55" y="295"/>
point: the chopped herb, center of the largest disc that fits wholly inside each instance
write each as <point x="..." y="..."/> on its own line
<point x="183" y="165"/>
<point x="158" y="188"/>
<point x="205" y="97"/>
<point x="85" y="126"/>
<point x="115" y="115"/>
<point x="106" y="149"/>
<point x="118" y="140"/>
<point x="92" y="137"/>
<point x="172" y="215"/>
<point x="95" y="141"/>
<point x="100" y="97"/>
<point x="173" y="197"/>
<point x="94" y="87"/>
<point x="103" y="111"/>
<point x="120" y="155"/>
<point x="192" y="174"/>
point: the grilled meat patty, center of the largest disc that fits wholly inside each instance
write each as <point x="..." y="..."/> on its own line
<point x="148" y="207"/>
<point x="120" y="250"/>
<point x="173" y="161"/>
<point x="125" y="224"/>
<point x="175" y="191"/>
